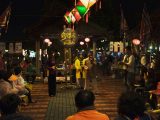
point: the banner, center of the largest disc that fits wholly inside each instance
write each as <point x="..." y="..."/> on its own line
<point x="18" y="47"/>
<point x="2" y="46"/>
<point x="123" y="24"/>
<point x="146" y="27"/>
<point x="11" y="48"/>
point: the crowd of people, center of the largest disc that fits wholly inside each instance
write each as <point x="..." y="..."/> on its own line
<point x="131" y="104"/>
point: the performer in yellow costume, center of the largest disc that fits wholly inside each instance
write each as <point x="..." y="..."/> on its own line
<point x="79" y="71"/>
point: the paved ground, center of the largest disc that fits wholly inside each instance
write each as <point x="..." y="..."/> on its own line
<point x="61" y="106"/>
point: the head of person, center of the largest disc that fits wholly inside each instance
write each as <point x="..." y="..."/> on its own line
<point x="9" y="104"/>
<point x="4" y="75"/>
<point x="128" y="50"/>
<point x="17" y="71"/>
<point x="131" y="104"/>
<point x="84" y="98"/>
<point x="80" y="55"/>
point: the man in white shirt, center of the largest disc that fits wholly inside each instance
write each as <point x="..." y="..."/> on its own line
<point x="130" y="64"/>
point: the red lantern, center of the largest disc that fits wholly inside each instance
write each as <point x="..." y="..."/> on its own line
<point x="136" y="41"/>
<point x="76" y="14"/>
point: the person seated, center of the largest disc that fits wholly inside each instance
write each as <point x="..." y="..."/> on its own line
<point x="5" y="85"/>
<point x="9" y="107"/>
<point x="131" y="106"/>
<point x="30" y="72"/>
<point x="84" y="101"/>
<point x="19" y="84"/>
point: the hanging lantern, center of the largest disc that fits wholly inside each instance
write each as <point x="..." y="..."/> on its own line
<point x="136" y="41"/>
<point x="81" y="43"/>
<point x="73" y="19"/>
<point x="76" y="14"/>
<point x="88" y="3"/>
<point x="46" y="40"/>
<point x="68" y="37"/>
<point x="87" y="39"/>
<point x="68" y="18"/>
<point x="81" y="9"/>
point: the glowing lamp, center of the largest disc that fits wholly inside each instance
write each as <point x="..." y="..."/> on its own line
<point x="49" y="43"/>
<point x="81" y="9"/>
<point x="76" y="14"/>
<point x="88" y="3"/>
<point x="87" y="39"/>
<point x="81" y="43"/>
<point x="136" y="41"/>
<point x="46" y="40"/>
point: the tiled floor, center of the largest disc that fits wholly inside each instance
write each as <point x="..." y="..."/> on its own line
<point x="61" y="106"/>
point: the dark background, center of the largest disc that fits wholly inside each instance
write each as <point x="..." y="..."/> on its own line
<point x="27" y="13"/>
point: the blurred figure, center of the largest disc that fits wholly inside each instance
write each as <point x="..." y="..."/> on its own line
<point x="143" y="69"/>
<point x="52" y="75"/>
<point x="89" y="64"/>
<point x="5" y="84"/>
<point x="30" y="72"/>
<point x="20" y="84"/>
<point x="9" y="106"/>
<point x="129" y="62"/>
<point x="79" y="71"/>
<point x="131" y="106"/>
<point x="84" y="101"/>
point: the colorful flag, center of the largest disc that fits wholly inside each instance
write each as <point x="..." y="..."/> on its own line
<point x="146" y="27"/>
<point x="88" y="3"/>
<point x="81" y="9"/>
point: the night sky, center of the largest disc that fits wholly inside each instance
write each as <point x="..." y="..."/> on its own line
<point x="26" y="13"/>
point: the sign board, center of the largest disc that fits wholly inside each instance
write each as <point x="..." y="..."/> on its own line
<point x="18" y="47"/>
<point x="116" y="45"/>
<point x="11" y="48"/>
<point x="2" y="46"/>
<point x="111" y="46"/>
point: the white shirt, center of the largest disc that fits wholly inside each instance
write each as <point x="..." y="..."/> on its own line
<point x="131" y="64"/>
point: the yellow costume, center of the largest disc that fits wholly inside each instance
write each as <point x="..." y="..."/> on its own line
<point x="79" y="69"/>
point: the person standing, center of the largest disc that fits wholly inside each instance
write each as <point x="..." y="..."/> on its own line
<point x="130" y="64"/>
<point x="143" y="70"/>
<point x="52" y="75"/>
<point x="79" y="71"/>
<point x="89" y="63"/>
